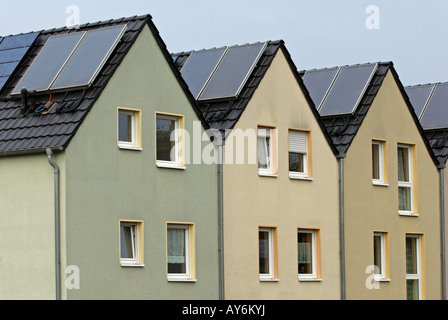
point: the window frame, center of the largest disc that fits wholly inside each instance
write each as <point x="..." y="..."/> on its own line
<point x="382" y="162"/>
<point x="178" y="162"/>
<point x="415" y="276"/>
<point x="135" y="143"/>
<point x="315" y="274"/>
<point x="409" y="185"/>
<point x="272" y="275"/>
<point x="190" y="269"/>
<point x="306" y="156"/>
<point x="383" y="275"/>
<point x="271" y="156"/>
<point x="137" y="243"/>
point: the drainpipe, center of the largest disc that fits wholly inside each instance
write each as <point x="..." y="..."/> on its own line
<point x="341" y="158"/>
<point x="441" y="168"/>
<point x="56" y="224"/>
<point x="220" y="144"/>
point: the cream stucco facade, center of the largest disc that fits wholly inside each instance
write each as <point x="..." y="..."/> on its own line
<point x="279" y="202"/>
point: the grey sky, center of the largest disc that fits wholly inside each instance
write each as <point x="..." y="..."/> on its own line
<point x="317" y="33"/>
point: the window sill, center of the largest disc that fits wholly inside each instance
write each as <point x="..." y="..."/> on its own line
<point x="381" y="279"/>
<point x="310" y="279"/>
<point x="269" y="279"/>
<point x="380" y="184"/>
<point x="169" y="166"/>
<point x="266" y="174"/>
<point x="296" y="177"/>
<point x="407" y="214"/>
<point x="140" y="265"/>
<point x="174" y="279"/>
<point x="130" y="148"/>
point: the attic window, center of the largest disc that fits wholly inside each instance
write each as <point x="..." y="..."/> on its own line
<point x="70" y="60"/>
<point x="129" y="129"/>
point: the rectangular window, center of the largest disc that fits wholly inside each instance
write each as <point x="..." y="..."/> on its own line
<point x="131" y="243"/>
<point x="266" y="151"/>
<point x="168" y="140"/>
<point x="380" y="248"/>
<point x="413" y="267"/>
<point x="307" y="253"/>
<point x="378" y="162"/>
<point x="129" y="131"/>
<point x="266" y="239"/>
<point x="180" y="249"/>
<point x="298" y="154"/>
<point x="405" y="177"/>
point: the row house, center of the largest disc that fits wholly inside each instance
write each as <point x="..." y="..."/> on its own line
<point x="93" y="203"/>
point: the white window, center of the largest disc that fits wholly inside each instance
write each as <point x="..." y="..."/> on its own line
<point x="413" y="267"/>
<point x="128" y="129"/>
<point x="130" y="252"/>
<point x="405" y="179"/>
<point x="298" y="154"/>
<point x="168" y="145"/>
<point x="307" y="253"/>
<point x="266" y="151"/>
<point x="378" y="162"/>
<point x="179" y="252"/>
<point x="266" y="253"/>
<point x="379" y="255"/>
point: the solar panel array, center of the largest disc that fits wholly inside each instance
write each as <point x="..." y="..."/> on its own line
<point x="337" y="91"/>
<point x="221" y="73"/>
<point x="432" y="100"/>
<point x="12" y="51"/>
<point x="70" y="60"/>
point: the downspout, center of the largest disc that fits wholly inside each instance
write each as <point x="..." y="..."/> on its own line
<point x="341" y="158"/>
<point x="220" y="144"/>
<point x="441" y="168"/>
<point x="56" y="224"/>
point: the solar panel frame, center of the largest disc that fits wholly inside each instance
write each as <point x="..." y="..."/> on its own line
<point x="215" y="88"/>
<point x="312" y="89"/>
<point x="73" y="63"/>
<point x="40" y="63"/>
<point x="420" y="102"/>
<point x="358" y="97"/>
<point x="435" y="115"/>
<point x="203" y="69"/>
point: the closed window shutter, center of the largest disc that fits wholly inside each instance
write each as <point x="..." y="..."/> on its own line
<point x="298" y="141"/>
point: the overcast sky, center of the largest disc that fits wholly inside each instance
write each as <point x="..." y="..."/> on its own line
<point x="317" y="33"/>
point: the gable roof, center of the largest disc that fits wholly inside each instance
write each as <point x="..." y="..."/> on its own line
<point x="53" y="119"/>
<point x="223" y="114"/>
<point x="343" y="127"/>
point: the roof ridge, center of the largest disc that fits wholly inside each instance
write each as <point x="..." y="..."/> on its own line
<point x="99" y="23"/>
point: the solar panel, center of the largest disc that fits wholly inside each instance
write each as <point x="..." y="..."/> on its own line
<point x="12" y="51"/>
<point x="89" y="57"/>
<point x="17" y="41"/>
<point x="347" y="89"/>
<point x="419" y="96"/>
<point x="318" y="82"/>
<point x="199" y="67"/>
<point x="49" y="62"/>
<point x="70" y="60"/>
<point x="233" y="71"/>
<point x="436" y="114"/>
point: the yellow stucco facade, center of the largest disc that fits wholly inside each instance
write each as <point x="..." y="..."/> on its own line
<point x="371" y="207"/>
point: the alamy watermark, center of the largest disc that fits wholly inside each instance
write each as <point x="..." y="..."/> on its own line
<point x="73" y="20"/>
<point x="373" y="20"/>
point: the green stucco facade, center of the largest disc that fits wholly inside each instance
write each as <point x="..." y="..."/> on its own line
<point x="102" y="184"/>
